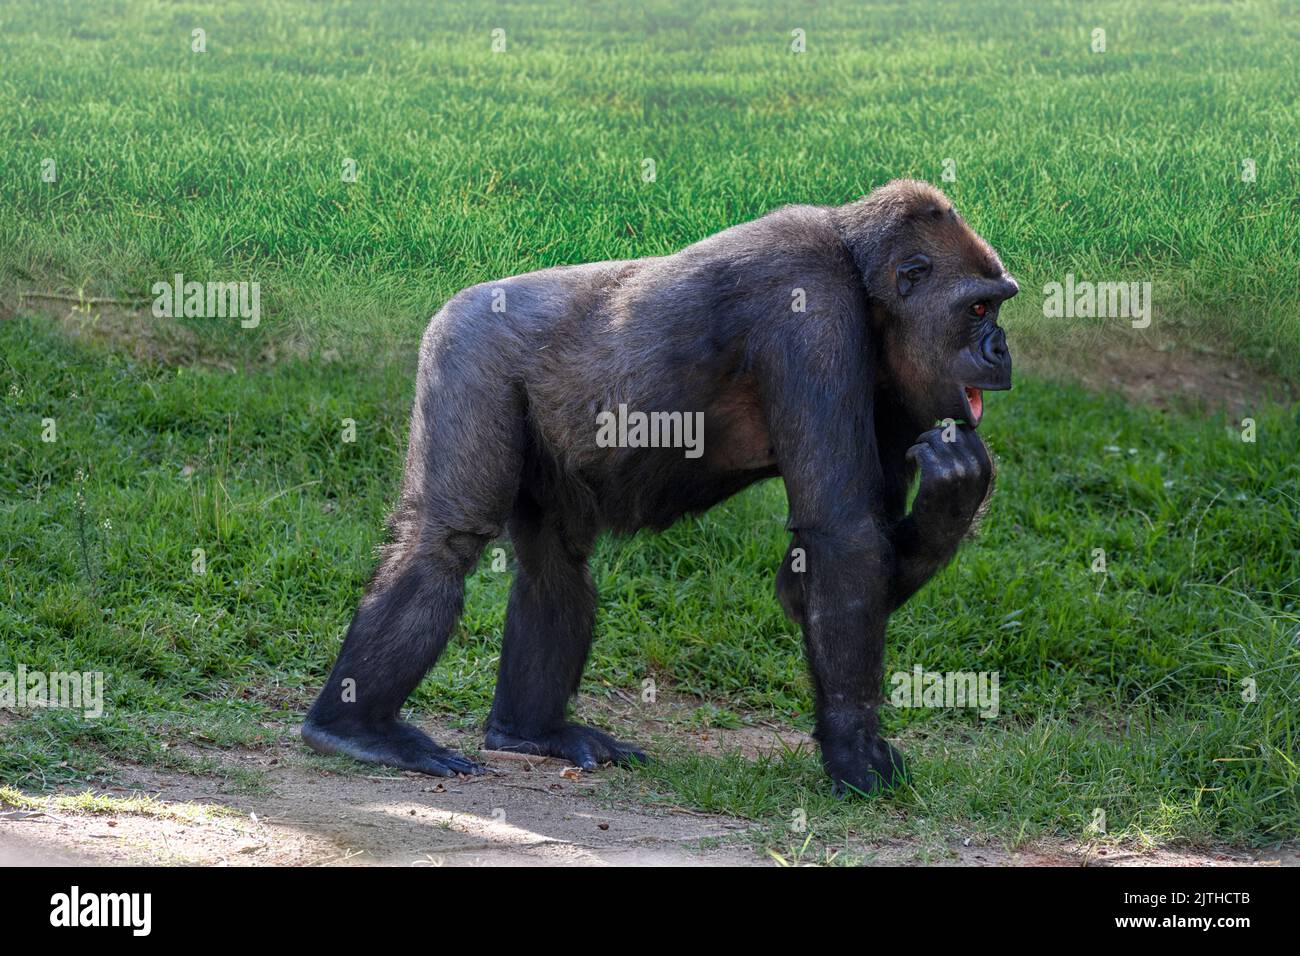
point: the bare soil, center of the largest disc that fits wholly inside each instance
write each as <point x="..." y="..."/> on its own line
<point x="525" y="812"/>
<point x="1155" y="369"/>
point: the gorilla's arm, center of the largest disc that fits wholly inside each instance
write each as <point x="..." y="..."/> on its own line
<point x="819" y="412"/>
<point x="955" y="480"/>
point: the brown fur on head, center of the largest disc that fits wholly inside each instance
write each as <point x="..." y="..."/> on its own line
<point x="935" y="287"/>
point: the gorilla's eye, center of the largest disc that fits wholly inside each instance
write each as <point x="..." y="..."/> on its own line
<point x="979" y="309"/>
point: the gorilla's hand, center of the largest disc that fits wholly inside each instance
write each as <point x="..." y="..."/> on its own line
<point x="955" y="479"/>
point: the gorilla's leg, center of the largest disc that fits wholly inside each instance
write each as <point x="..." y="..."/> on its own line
<point x="462" y="476"/>
<point x="400" y="628"/>
<point x="548" y="632"/>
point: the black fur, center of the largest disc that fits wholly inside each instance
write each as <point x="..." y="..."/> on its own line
<point x="840" y="399"/>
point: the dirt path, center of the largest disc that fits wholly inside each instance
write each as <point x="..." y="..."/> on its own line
<point x="530" y="812"/>
<point x="519" y="816"/>
<point x="523" y="813"/>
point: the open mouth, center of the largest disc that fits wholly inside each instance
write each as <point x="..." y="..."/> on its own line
<point x="975" y="402"/>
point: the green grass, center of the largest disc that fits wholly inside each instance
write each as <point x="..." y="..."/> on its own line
<point x="1123" y="165"/>
<point x="1119" y="691"/>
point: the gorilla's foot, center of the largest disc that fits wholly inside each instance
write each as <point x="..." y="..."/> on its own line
<point x="867" y="768"/>
<point x="389" y="742"/>
<point x="581" y="746"/>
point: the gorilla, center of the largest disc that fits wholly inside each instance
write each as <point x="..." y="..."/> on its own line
<point x="844" y="349"/>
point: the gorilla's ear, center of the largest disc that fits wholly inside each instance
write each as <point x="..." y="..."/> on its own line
<point x="910" y="272"/>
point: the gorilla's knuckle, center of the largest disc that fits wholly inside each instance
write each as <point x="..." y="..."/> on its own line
<point x="954" y="460"/>
<point x="945" y="473"/>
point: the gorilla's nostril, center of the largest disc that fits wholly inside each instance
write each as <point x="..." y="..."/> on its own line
<point x="995" y="347"/>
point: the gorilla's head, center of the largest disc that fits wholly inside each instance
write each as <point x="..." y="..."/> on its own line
<point x="935" y="289"/>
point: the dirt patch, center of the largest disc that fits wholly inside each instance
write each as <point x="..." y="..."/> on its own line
<point x="1155" y="370"/>
<point x="525" y="812"/>
<point x="121" y="326"/>
<point x="128" y="329"/>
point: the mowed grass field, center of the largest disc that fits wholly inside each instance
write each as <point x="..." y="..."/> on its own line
<point x="1163" y="691"/>
<point x="1124" y="165"/>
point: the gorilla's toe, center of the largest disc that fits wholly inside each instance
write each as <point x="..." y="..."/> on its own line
<point x="581" y="746"/>
<point x="391" y="743"/>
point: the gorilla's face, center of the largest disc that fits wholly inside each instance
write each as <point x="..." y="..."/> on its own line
<point x="942" y="343"/>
